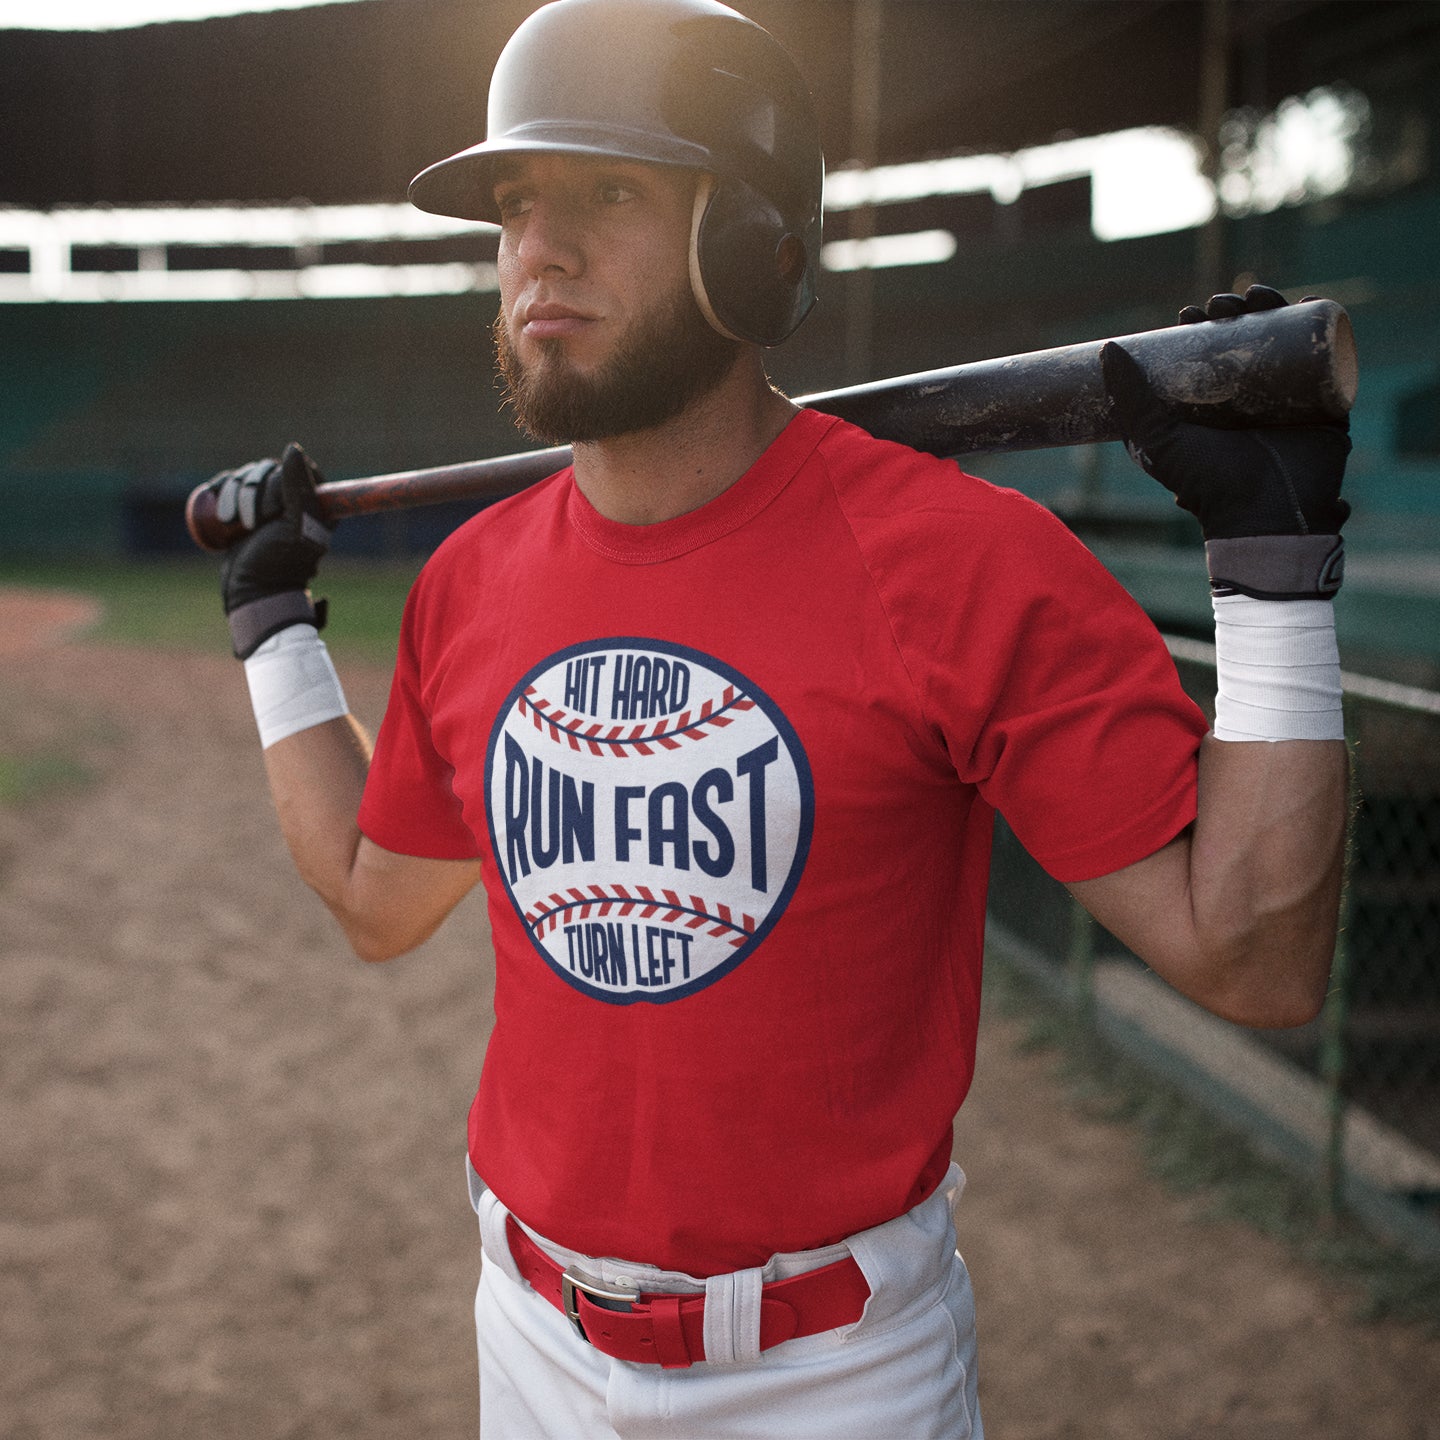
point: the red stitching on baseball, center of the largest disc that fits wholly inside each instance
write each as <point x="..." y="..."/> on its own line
<point x="703" y="913"/>
<point x="641" y="739"/>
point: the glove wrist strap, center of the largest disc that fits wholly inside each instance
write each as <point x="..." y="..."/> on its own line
<point x="293" y="684"/>
<point x="254" y="622"/>
<point x="1277" y="567"/>
<point x="1278" y="668"/>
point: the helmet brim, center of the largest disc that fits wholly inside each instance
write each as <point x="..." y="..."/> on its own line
<point x="461" y="184"/>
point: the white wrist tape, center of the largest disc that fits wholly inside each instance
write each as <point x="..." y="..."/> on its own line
<point x="1278" y="668"/>
<point x="293" y="685"/>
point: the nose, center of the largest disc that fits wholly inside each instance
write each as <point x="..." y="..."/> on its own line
<point x="548" y="239"/>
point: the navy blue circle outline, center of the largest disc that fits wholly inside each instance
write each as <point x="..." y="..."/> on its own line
<point x="803" y="777"/>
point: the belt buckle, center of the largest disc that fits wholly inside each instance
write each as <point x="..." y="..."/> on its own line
<point x="620" y="1296"/>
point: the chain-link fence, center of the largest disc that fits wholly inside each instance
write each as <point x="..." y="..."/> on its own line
<point x="1353" y="1097"/>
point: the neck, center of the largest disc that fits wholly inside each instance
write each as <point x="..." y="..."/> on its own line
<point x="685" y="462"/>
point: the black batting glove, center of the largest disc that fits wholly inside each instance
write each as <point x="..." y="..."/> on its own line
<point x="265" y="575"/>
<point x="1268" y="500"/>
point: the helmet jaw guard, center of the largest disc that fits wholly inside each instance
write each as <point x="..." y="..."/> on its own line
<point x="688" y="83"/>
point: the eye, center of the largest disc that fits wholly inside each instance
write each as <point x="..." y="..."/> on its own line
<point x="512" y="202"/>
<point x="614" y="192"/>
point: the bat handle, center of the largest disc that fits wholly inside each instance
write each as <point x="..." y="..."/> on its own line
<point x="472" y="482"/>
<point x="202" y="520"/>
<point x="209" y="531"/>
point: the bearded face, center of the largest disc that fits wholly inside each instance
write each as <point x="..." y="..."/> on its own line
<point x="666" y="358"/>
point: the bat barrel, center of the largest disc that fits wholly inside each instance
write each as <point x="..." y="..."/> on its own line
<point x="1289" y="366"/>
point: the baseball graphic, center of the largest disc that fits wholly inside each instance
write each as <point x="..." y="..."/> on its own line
<point x="651" y="812"/>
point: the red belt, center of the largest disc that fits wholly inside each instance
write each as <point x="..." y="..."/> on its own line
<point x="669" y="1330"/>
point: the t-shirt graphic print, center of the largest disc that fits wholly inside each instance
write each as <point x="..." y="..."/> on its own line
<point x="651" y="811"/>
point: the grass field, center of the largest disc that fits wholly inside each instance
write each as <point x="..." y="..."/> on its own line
<point x="26" y="777"/>
<point x="176" y="603"/>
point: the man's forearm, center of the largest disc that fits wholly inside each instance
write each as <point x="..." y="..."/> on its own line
<point x="317" y="777"/>
<point x="1239" y="912"/>
<point x="1267" y="855"/>
<point x="1267" y="861"/>
<point x="386" y="903"/>
<point x="316" y="756"/>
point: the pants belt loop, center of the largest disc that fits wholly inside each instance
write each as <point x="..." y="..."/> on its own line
<point x="732" y="1317"/>
<point x="494" y="1243"/>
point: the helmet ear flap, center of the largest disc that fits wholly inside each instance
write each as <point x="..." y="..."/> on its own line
<point x="752" y="275"/>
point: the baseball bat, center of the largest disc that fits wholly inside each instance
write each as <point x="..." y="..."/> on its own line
<point x="1290" y="366"/>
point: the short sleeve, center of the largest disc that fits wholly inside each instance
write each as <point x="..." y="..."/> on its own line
<point x="1088" y="745"/>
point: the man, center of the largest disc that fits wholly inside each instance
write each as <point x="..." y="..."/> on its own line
<point x="721" y="717"/>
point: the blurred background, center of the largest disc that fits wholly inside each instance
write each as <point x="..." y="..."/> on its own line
<point x="205" y="252"/>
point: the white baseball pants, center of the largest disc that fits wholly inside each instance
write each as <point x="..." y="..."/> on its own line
<point x="907" y="1368"/>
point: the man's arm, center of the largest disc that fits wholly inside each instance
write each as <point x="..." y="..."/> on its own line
<point x="316" y="754"/>
<point x="386" y="903"/>
<point x="1240" y="911"/>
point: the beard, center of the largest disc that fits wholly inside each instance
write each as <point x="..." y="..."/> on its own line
<point x="664" y="360"/>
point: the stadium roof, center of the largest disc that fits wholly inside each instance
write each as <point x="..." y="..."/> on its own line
<point x="345" y="102"/>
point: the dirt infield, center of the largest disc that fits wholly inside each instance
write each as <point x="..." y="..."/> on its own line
<point x="231" y="1191"/>
<point x="38" y="620"/>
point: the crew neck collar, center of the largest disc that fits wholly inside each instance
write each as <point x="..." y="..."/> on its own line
<point x="751" y="493"/>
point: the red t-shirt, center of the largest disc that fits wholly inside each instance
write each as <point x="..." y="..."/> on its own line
<point x="732" y="780"/>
